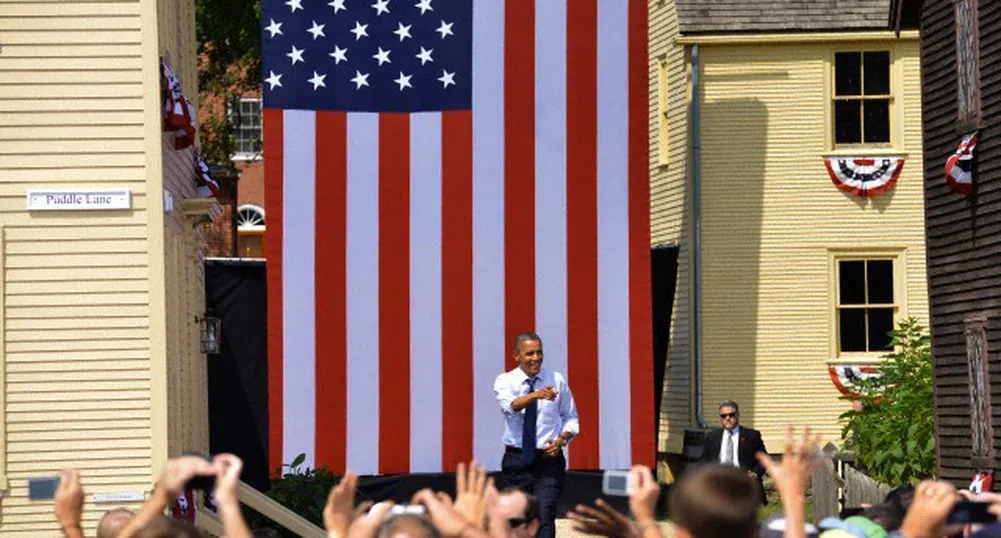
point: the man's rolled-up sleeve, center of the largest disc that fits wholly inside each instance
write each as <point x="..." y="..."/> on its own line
<point x="568" y="411"/>
<point x="505" y="396"/>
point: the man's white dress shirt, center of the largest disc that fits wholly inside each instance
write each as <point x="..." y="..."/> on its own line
<point x="735" y="440"/>
<point x="554" y="417"/>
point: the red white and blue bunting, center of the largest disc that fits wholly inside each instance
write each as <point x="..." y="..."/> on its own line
<point x="844" y="376"/>
<point x="207" y="186"/>
<point x="864" y="176"/>
<point x="959" y="168"/>
<point x="179" y="114"/>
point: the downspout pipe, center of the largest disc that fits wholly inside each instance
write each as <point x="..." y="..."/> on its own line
<point x="696" y="237"/>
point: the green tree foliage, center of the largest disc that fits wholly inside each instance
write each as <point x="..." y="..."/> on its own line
<point x="301" y="490"/>
<point x="892" y="426"/>
<point x="229" y="52"/>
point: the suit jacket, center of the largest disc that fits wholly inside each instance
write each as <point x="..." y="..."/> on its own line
<point x="749" y="444"/>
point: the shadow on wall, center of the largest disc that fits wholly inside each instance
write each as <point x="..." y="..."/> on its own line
<point x="733" y="140"/>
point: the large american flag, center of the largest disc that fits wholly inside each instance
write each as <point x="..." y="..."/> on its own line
<point x="441" y="175"/>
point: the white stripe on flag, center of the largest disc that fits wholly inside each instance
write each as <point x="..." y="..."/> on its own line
<point x="613" y="234"/>
<point x="362" y="291"/>
<point x="551" y="181"/>
<point x="425" y="293"/>
<point x="489" y="348"/>
<point x="298" y="299"/>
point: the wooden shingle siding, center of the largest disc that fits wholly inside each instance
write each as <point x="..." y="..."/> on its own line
<point x="668" y="212"/>
<point x="715" y="16"/>
<point x="964" y="237"/>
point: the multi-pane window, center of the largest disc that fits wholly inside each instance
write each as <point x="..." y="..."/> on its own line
<point x="862" y="98"/>
<point x="980" y="394"/>
<point x="245" y="118"/>
<point x="967" y="62"/>
<point x="866" y="305"/>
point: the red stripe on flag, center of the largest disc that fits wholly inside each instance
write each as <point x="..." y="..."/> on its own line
<point x="394" y="293"/>
<point x="331" y="300"/>
<point x="582" y="226"/>
<point x="457" y="288"/>
<point x="519" y="169"/>
<point x="640" y="314"/>
<point x="274" y="135"/>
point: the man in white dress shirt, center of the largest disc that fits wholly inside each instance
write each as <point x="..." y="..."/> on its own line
<point x="540" y="418"/>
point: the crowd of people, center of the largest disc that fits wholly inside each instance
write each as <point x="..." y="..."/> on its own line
<point x="713" y="501"/>
<point x="719" y="499"/>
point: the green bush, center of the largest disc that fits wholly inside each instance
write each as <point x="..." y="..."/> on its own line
<point x="891" y="428"/>
<point x="301" y="490"/>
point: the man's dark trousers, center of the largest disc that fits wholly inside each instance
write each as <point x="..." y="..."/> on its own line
<point x="542" y="478"/>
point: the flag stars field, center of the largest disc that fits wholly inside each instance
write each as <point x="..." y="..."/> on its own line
<point x="376" y="49"/>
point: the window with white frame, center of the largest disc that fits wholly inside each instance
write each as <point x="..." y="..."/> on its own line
<point x="250" y="218"/>
<point x="245" y="118"/>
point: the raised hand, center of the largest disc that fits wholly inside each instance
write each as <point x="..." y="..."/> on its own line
<point x="69" y="503"/>
<point x="792" y="477"/>
<point x="365" y="526"/>
<point x="470" y="488"/>
<point x="444" y="516"/>
<point x="602" y="521"/>
<point x="643" y="499"/>
<point x="179" y="471"/>
<point x="933" y="500"/>
<point x="340" y="509"/>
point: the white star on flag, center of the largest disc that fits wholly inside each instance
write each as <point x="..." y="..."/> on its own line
<point x="424" y="5"/>
<point x="360" y="79"/>
<point x="403" y="81"/>
<point x="339" y="55"/>
<point x="296" y="55"/>
<point x="403" y="31"/>
<point x="447" y="78"/>
<point x="294" y="4"/>
<point x="360" y="30"/>
<point x="274" y="80"/>
<point x="337" y="5"/>
<point x="445" y="29"/>
<point x="425" y="55"/>
<point x="317" y="30"/>
<point x="382" y="56"/>
<point x="275" y="28"/>
<point x="317" y="81"/>
<point x="380" y="7"/>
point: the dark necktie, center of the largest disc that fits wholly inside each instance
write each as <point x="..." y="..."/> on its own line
<point x="528" y="429"/>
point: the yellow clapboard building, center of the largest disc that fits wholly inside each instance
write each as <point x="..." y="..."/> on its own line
<point x="786" y="164"/>
<point x="100" y="254"/>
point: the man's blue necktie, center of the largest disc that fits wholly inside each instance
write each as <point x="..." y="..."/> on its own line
<point x="528" y="430"/>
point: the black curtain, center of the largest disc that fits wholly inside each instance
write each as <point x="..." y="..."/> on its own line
<point x="663" y="280"/>
<point x="238" y="376"/>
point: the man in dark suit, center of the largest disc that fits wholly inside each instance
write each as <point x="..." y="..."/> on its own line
<point x="734" y="445"/>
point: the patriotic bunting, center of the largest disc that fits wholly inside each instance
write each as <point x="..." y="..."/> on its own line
<point x="178" y="110"/>
<point x="207" y="186"/>
<point x="845" y="376"/>
<point x="864" y="176"/>
<point x="959" y="168"/>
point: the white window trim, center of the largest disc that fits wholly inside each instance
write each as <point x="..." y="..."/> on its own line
<point x="251" y="156"/>
<point x="251" y="227"/>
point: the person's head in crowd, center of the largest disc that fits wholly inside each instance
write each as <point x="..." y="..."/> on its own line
<point x="521" y="511"/>
<point x="901" y="497"/>
<point x="729" y="414"/>
<point x="886" y="515"/>
<point x="113" y="521"/>
<point x="715" y="502"/>
<point x="407" y="526"/>
<point x="266" y="532"/>
<point x="165" y="527"/>
<point x="528" y="353"/>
